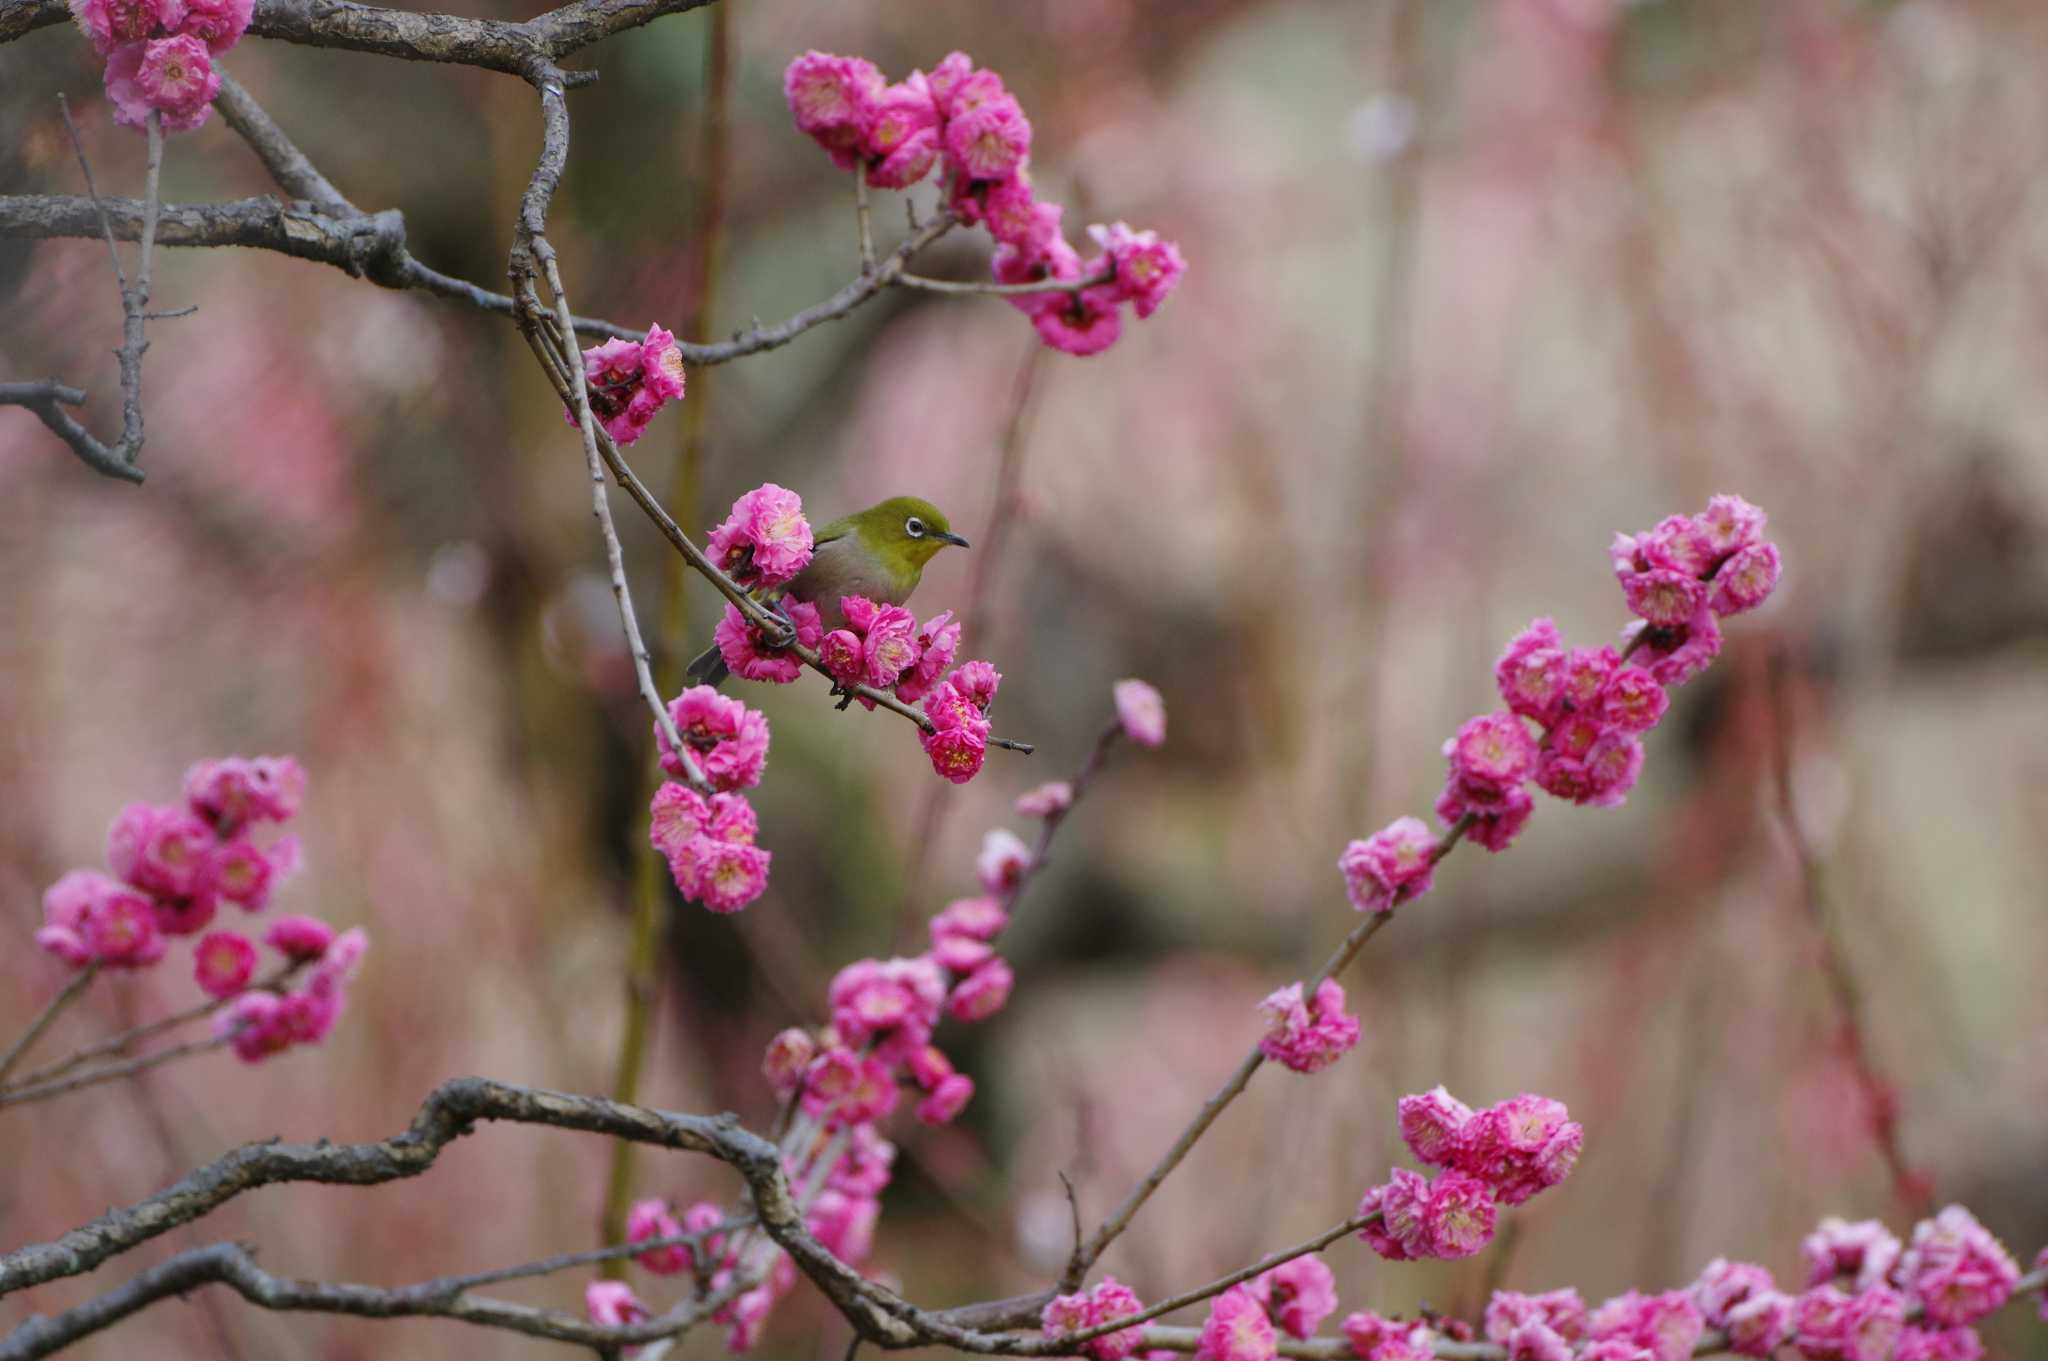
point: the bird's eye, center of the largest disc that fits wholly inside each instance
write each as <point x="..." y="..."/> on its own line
<point x="914" y="527"/>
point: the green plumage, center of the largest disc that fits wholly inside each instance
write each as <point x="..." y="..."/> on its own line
<point x="879" y="553"/>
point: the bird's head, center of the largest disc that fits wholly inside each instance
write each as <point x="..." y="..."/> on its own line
<point x="905" y="532"/>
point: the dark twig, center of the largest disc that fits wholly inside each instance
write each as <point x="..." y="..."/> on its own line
<point x="280" y="156"/>
<point x="1878" y="1094"/>
<point x="112" y="1072"/>
<point x="69" y="994"/>
<point x="128" y="1039"/>
<point x="1232" y="1086"/>
<point x="118" y="460"/>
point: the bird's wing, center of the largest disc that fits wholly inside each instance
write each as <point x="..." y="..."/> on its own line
<point x="838" y="529"/>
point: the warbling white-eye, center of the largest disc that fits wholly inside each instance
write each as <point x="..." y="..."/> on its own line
<point x="879" y="553"/>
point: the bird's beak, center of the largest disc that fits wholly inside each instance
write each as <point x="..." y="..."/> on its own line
<point x="949" y="538"/>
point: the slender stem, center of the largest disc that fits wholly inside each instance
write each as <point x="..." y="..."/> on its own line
<point x="860" y="214"/>
<point x="1223" y="1283"/>
<point x="112" y="1072"/>
<point x="1004" y="508"/>
<point x="975" y="288"/>
<point x="1909" y="1185"/>
<point x="1239" y="1078"/>
<point x="128" y="1039"/>
<point x="69" y="994"/>
<point x="650" y="879"/>
<point x="600" y="506"/>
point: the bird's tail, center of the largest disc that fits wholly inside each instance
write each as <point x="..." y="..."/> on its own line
<point x="709" y="668"/>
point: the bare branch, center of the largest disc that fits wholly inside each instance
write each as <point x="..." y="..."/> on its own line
<point x="1241" y="1077"/>
<point x="495" y="45"/>
<point x="280" y="155"/>
<point x="112" y="1072"/>
<point x="19" y="1049"/>
<point x="124" y="1041"/>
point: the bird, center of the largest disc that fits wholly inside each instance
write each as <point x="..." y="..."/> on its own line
<point x="879" y="553"/>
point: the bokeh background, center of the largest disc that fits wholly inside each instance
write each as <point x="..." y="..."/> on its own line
<point x="1473" y="286"/>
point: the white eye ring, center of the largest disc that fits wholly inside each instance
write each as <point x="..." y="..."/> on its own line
<point x="914" y="527"/>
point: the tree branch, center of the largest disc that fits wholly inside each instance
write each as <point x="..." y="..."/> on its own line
<point x="493" y="44"/>
<point x="79" y="983"/>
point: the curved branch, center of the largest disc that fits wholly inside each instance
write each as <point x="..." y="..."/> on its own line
<point x="493" y="44"/>
<point x="232" y="1265"/>
<point x="372" y="246"/>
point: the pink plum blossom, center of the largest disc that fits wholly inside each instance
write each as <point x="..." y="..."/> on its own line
<point x="1666" y="1325"/>
<point x="1398" y="1233"/>
<point x="788" y="1055"/>
<point x="1490" y="754"/>
<point x="1675" y="655"/>
<point x="1746" y="580"/>
<point x="1147" y="268"/>
<point x="1730" y="523"/>
<point x="765" y="540"/>
<point x="217" y="23"/>
<point x="1141" y="711"/>
<point x="1865" y="1252"/>
<point x="1632" y="700"/>
<point x="957" y="752"/>
<point x="1956" y="1269"/>
<point x="1430" y="1122"/>
<point x="937" y="641"/>
<point x="978" y="918"/>
<point x="1562" y="1311"/>
<point x="1391" y="866"/>
<point x="989" y="140"/>
<point x="1298" y="1295"/>
<point x="223" y="963"/>
<point x="729" y="740"/>
<point x="159" y="849"/>
<point x="982" y="993"/>
<point x="946" y="1100"/>
<point x="235" y="790"/>
<point x="1003" y="862"/>
<point x="1080" y="324"/>
<point x="1495" y="822"/>
<point x="1237" y="1329"/>
<point x="1530" y="674"/>
<point x="1110" y="1299"/>
<point x="1050" y="799"/>
<point x="829" y="98"/>
<point x="649" y="1219"/>
<point x="612" y="1304"/>
<point x="1458" y="1218"/>
<point x="749" y="653"/>
<point x="110" y="23"/>
<point x="1760" y="1324"/>
<point x="1307" y="1038"/>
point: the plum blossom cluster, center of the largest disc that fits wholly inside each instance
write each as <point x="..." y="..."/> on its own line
<point x="1502" y="1155"/>
<point x="1590" y="705"/>
<point x="174" y="866"/>
<point x="629" y="382"/>
<point x="842" y="1079"/>
<point x="962" y="120"/>
<point x="159" y="54"/>
<point x="708" y="839"/>
<point x="1245" y="1322"/>
<point x="1108" y="1300"/>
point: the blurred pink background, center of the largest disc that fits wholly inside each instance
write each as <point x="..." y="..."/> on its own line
<point x="1472" y="286"/>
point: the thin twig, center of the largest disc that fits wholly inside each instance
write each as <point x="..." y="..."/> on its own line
<point x="1240" y="1078"/>
<point x="128" y="1039"/>
<point x="113" y="1072"/>
<point x="1909" y="1185"/>
<point x="968" y="287"/>
<point x="860" y="215"/>
<point x="69" y="994"/>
